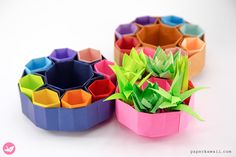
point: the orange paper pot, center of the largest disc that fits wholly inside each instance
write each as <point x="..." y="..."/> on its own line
<point x="192" y="45"/>
<point x="159" y="35"/>
<point x="76" y="98"/>
<point x="89" y="55"/>
<point x="196" y="49"/>
<point x="124" y="45"/>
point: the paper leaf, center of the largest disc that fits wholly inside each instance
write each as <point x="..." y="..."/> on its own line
<point x="146" y="103"/>
<point x="156" y="106"/>
<point x="144" y="80"/>
<point x="190" y="92"/>
<point x="163" y="93"/>
<point x="166" y="104"/>
<point x="116" y="96"/>
<point x="187" y="109"/>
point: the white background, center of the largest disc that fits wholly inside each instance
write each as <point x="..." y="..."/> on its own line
<point x="30" y="29"/>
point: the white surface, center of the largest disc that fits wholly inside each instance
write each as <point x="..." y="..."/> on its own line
<point x="31" y="29"/>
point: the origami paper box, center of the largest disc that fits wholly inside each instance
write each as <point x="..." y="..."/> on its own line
<point x="172" y="21"/>
<point x="196" y="49"/>
<point x="76" y="98"/>
<point x="145" y="20"/>
<point x="159" y="35"/>
<point x="188" y="29"/>
<point x="101" y="89"/>
<point x="152" y="125"/>
<point x="124" y="45"/>
<point x="29" y="83"/>
<point x="102" y="67"/>
<point x="63" y="55"/>
<point x="66" y="119"/>
<point x="38" y="65"/>
<point x="193" y="45"/>
<point x="89" y="55"/>
<point x="46" y="98"/>
<point x="126" y="30"/>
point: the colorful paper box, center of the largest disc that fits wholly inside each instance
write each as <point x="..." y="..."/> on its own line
<point x="152" y="125"/>
<point x="167" y="32"/>
<point x="55" y="104"/>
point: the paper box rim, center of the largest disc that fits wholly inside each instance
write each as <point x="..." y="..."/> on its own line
<point x="125" y="115"/>
<point x="104" y="112"/>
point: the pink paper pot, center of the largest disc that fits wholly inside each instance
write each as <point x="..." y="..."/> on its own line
<point x="152" y="125"/>
<point x="147" y="51"/>
<point x="102" y="67"/>
<point x="89" y="55"/>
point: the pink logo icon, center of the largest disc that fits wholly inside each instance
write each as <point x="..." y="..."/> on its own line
<point x="9" y="148"/>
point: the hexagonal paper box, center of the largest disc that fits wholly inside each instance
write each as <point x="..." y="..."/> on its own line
<point x="102" y="67"/>
<point x="29" y="83"/>
<point x="191" y="30"/>
<point x="63" y="55"/>
<point x="89" y="55"/>
<point x="172" y="21"/>
<point x="126" y="30"/>
<point x="196" y="49"/>
<point x="152" y="125"/>
<point x="76" y="98"/>
<point x="124" y="45"/>
<point x="145" y="20"/>
<point x="38" y="65"/>
<point x="101" y="89"/>
<point x="46" y="98"/>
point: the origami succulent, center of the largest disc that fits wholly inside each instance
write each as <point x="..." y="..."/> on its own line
<point x="166" y="65"/>
<point x="162" y="64"/>
<point x="132" y="64"/>
<point x="153" y="97"/>
<point x="125" y="85"/>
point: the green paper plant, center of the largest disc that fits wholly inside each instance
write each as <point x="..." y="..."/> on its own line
<point x="153" y="98"/>
<point x="134" y="63"/>
<point x="166" y="65"/>
<point x="126" y="86"/>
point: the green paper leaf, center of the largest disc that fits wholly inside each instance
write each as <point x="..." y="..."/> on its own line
<point x="146" y="103"/>
<point x="144" y="80"/>
<point x="187" y="109"/>
<point x="190" y="92"/>
<point x="166" y="104"/>
<point x="116" y="96"/>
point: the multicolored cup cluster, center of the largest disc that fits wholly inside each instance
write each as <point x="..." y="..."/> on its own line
<point x="168" y="32"/>
<point x="65" y="91"/>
